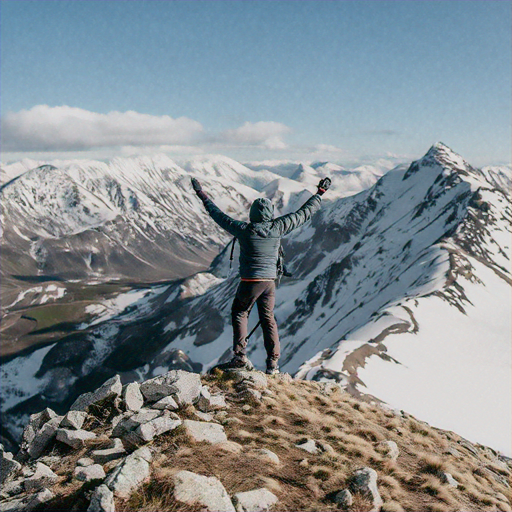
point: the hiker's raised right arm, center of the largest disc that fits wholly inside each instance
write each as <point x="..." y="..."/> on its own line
<point x="232" y="226"/>
<point x="292" y="221"/>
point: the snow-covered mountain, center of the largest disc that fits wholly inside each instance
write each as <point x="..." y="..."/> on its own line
<point x="402" y="287"/>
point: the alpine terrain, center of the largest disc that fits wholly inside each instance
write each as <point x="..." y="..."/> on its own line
<point x="400" y="293"/>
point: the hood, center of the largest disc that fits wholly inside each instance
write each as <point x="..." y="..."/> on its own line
<point x="262" y="210"/>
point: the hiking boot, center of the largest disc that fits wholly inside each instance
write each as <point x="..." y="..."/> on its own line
<point x="272" y="370"/>
<point x="236" y="363"/>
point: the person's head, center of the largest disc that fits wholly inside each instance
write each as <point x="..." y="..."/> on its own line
<point x="262" y="210"/>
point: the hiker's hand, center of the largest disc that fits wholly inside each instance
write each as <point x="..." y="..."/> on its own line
<point x="323" y="186"/>
<point x="196" y="185"/>
<point x="198" y="190"/>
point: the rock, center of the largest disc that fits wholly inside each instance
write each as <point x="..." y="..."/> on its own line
<point x="325" y="447"/>
<point x="229" y="447"/>
<point x="121" y="417"/>
<point x="184" y="386"/>
<point x="233" y="421"/>
<point x="84" y="462"/>
<point x="51" y="460"/>
<point x="451" y="450"/>
<point x="42" y="477"/>
<point x="102" y="500"/>
<point x="255" y="379"/>
<point x="167" y="402"/>
<point x="265" y="455"/>
<point x="89" y="473"/>
<point x="309" y="446"/>
<point x="115" y="452"/>
<point x="204" y="416"/>
<point x="111" y="387"/>
<point x="208" y="402"/>
<point x="35" y="423"/>
<point x="246" y="408"/>
<point x="43" y="437"/>
<point x="328" y="388"/>
<point x="364" y="481"/>
<point x="133" y="421"/>
<point x="447" y="478"/>
<point x="468" y="446"/>
<point x="221" y="415"/>
<point x="209" y="432"/>
<point x="130" y="473"/>
<point x="132" y="396"/>
<point x="12" y="488"/>
<point x="390" y="449"/>
<point x="74" y="438"/>
<point x="258" y="500"/>
<point x="154" y="428"/>
<point x="193" y="489"/>
<point x="8" y="467"/>
<point x="252" y="395"/>
<point x="74" y="420"/>
<point x="343" y="499"/>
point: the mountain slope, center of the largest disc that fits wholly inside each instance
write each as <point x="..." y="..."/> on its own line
<point x="386" y="264"/>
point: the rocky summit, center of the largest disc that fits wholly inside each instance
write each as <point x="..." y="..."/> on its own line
<point x="185" y="442"/>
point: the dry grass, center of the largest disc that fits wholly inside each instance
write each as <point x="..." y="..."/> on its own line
<point x="305" y="482"/>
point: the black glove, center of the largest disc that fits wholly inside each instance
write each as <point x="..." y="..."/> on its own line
<point x="323" y="186"/>
<point x="198" y="190"/>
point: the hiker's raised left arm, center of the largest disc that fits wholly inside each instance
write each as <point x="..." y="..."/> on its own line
<point x="232" y="226"/>
<point x="292" y="221"/>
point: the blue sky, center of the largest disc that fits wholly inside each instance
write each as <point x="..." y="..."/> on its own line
<point x="342" y="80"/>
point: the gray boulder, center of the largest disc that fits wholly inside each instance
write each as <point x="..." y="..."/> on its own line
<point x="344" y="499"/>
<point x="43" y="437"/>
<point x="390" y="449"/>
<point x="200" y="431"/>
<point x="73" y="420"/>
<point x="110" y="388"/>
<point x="74" y="438"/>
<point x="12" y="488"/>
<point x="255" y="379"/>
<point x="8" y="466"/>
<point x="208" y="492"/>
<point x="84" y="462"/>
<point x="364" y="481"/>
<point x="184" y="386"/>
<point x="27" y="503"/>
<point x="131" y="422"/>
<point x="166" y="403"/>
<point x="309" y="446"/>
<point x="43" y="477"/>
<point x="35" y="422"/>
<point x="447" y="478"/>
<point x="132" y="396"/>
<point x="116" y="451"/>
<point x="102" y="500"/>
<point x="265" y="455"/>
<point x="156" y="427"/>
<point x="258" y="500"/>
<point x="204" y="416"/>
<point x="130" y="473"/>
<point x="89" y="473"/>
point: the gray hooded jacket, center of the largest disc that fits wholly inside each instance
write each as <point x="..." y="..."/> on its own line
<point x="261" y="237"/>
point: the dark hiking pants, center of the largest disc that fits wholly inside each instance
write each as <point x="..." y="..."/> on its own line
<point x="263" y="293"/>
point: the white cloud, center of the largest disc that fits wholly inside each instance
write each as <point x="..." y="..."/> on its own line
<point x="267" y="134"/>
<point x="45" y="128"/>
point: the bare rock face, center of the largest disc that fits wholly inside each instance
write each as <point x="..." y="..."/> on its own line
<point x="40" y="438"/>
<point x="111" y="387"/>
<point x="102" y="500"/>
<point x="132" y="396"/>
<point x="115" y="452"/>
<point x="208" y="432"/>
<point x="130" y="473"/>
<point x="166" y="403"/>
<point x="42" y="477"/>
<point x="74" y="438"/>
<point x="364" y="481"/>
<point x="258" y="500"/>
<point x="74" y="420"/>
<point x="194" y="489"/>
<point x="89" y="473"/>
<point x="8" y="466"/>
<point x="185" y="387"/>
<point x="390" y="449"/>
<point x="344" y="499"/>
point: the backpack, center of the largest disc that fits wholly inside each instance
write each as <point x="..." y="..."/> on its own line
<point x="281" y="267"/>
